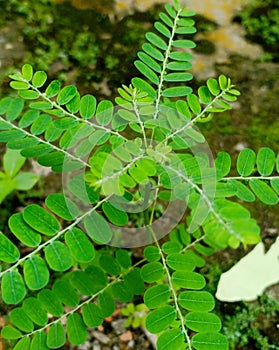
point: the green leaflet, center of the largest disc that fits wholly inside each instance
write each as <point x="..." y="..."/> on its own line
<point x="53" y="89"/>
<point x="121" y="292"/>
<point x="8" y="251"/>
<point x="66" y="94"/>
<point x="243" y="191"/>
<point x="36" y="274"/>
<point x="39" y="341"/>
<point x="40" y="124"/>
<point x="76" y="329"/>
<point x="41" y="220"/>
<point x="39" y="78"/>
<point x="91" y="315"/>
<point x="24" y="232"/>
<point x="196" y="301"/>
<point x="23" y="344"/>
<point x="147" y="72"/>
<point x="87" y="106"/>
<point x="14" y="109"/>
<point x="159" y="319"/>
<point x="13" y="288"/>
<point x="19" y="319"/>
<point x="115" y="215"/>
<point x="62" y="206"/>
<point x="265" y="161"/>
<point x="263" y="192"/>
<point x="65" y="293"/>
<point x="152" y="272"/>
<point x="106" y="304"/>
<point x="56" y="336"/>
<point x="152" y="253"/>
<point x="213" y="86"/>
<point x="170" y="340"/>
<point x="134" y="281"/>
<point x="104" y="112"/>
<point x="124" y="259"/>
<point x="210" y="341"/>
<point x="34" y="311"/>
<point x="110" y="264"/>
<point x="80" y="246"/>
<point x="156" y="296"/>
<point x="189" y="280"/>
<point x="222" y="164"/>
<point x="9" y="332"/>
<point x="27" y="72"/>
<point x="58" y="256"/>
<point x="156" y="40"/>
<point x="86" y="283"/>
<point x="203" y="322"/>
<point x="246" y="162"/>
<point x="97" y="228"/>
<point x="181" y="262"/>
<point x="50" y="302"/>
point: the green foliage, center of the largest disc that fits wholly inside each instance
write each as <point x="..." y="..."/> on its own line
<point x="245" y="324"/>
<point x="260" y="19"/>
<point x="142" y="158"/>
<point x="12" y="179"/>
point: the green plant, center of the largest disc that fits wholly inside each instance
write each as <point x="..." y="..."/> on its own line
<point x="144" y="156"/>
<point x="136" y="315"/>
<point x="247" y="320"/>
<point x="11" y="179"/>
<point x="261" y="20"/>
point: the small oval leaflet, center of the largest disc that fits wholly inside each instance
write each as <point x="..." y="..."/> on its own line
<point x="156" y="296"/>
<point x="56" y="336"/>
<point x="152" y="272"/>
<point x="66" y="94"/>
<point x="8" y="251"/>
<point x="189" y="280"/>
<point x="80" y="246"/>
<point x="36" y="274"/>
<point x="23" y="232"/>
<point x="87" y="106"/>
<point x="203" y="322"/>
<point x="19" y="319"/>
<point x="39" y="78"/>
<point x="50" y="302"/>
<point x="62" y="206"/>
<point x="210" y="341"/>
<point x="171" y="339"/>
<point x="246" y="162"/>
<point x="34" y="311"/>
<point x="58" y="256"/>
<point x="65" y="293"/>
<point x="76" y="329"/>
<point x="41" y="220"/>
<point x="13" y="288"/>
<point x="196" y="301"/>
<point x="39" y="341"/>
<point x="97" y="228"/>
<point x="160" y="319"/>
